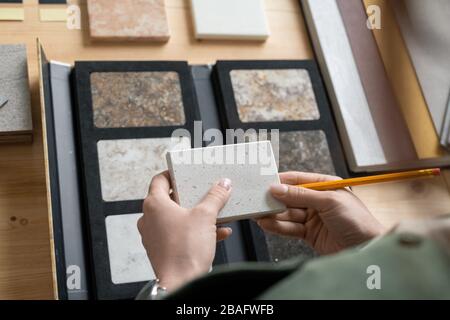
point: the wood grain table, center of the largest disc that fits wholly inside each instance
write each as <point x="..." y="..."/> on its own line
<point x="25" y="244"/>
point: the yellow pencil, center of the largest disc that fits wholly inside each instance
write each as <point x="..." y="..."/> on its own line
<point x="339" y="184"/>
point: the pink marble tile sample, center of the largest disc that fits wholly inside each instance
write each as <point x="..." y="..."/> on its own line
<point x="128" y="20"/>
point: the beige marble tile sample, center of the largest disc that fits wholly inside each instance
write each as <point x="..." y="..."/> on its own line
<point x="127" y="256"/>
<point x="251" y="167"/>
<point x="136" y="99"/>
<point x="127" y="166"/>
<point x="128" y="20"/>
<point x="274" y="95"/>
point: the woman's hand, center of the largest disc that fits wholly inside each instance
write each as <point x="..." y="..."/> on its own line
<point x="181" y="243"/>
<point x="329" y="221"/>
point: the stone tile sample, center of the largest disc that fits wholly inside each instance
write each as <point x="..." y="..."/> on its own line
<point x="13" y="62"/>
<point x="299" y="151"/>
<point x="136" y="99"/>
<point x="306" y="151"/>
<point x="127" y="256"/>
<point x="274" y="95"/>
<point x="15" y="112"/>
<point x="284" y="248"/>
<point x="230" y="19"/>
<point x="128" y="20"/>
<point x="251" y="168"/>
<point x="127" y="166"/>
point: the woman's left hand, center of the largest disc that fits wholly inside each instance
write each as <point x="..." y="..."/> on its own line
<point x="180" y="242"/>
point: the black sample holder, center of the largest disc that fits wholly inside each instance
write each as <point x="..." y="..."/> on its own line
<point x="230" y="120"/>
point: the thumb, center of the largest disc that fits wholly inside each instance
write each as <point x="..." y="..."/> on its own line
<point x="216" y="198"/>
<point x="296" y="197"/>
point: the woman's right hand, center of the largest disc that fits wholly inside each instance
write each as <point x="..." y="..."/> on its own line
<point x="329" y="221"/>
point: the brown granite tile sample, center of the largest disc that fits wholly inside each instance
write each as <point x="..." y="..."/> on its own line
<point x="136" y="99"/>
<point x="299" y="151"/>
<point x="128" y="20"/>
<point x="274" y="95"/>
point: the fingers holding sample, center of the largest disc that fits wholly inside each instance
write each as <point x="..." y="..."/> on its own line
<point x="282" y="228"/>
<point x="223" y="233"/>
<point x="215" y="199"/>
<point x="292" y="215"/>
<point x="297" y="197"/>
<point x="297" y="178"/>
<point x="160" y="185"/>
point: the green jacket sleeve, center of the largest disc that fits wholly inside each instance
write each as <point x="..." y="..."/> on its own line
<point x="397" y="266"/>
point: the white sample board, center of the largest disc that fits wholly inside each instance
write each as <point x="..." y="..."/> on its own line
<point x="230" y="19"/>
<point x="251" y="167"/>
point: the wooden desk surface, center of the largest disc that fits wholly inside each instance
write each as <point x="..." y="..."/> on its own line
<point x="25" y="258"/>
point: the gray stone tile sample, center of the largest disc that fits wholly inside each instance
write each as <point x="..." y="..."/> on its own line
<point x="299" y="151"/>
<point x="15" y="115"/>
<point x="127" y="166"/>
<point x="230" y="19"/>
<point x="136" y="99"/>
<point x="251" y="179"/>
<point x="284" y="248"/>
<point x="13" y="62"/>
<point x="306" y="151"/>
<point x="274" y="95"/>
<point x="127" y="256"/>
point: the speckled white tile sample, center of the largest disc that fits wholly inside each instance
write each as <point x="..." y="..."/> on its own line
<point x="127" y="256"/>
<point x="251" y="168"/>
<point x="127" y="166"/>
<point x="230" y="19"/>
